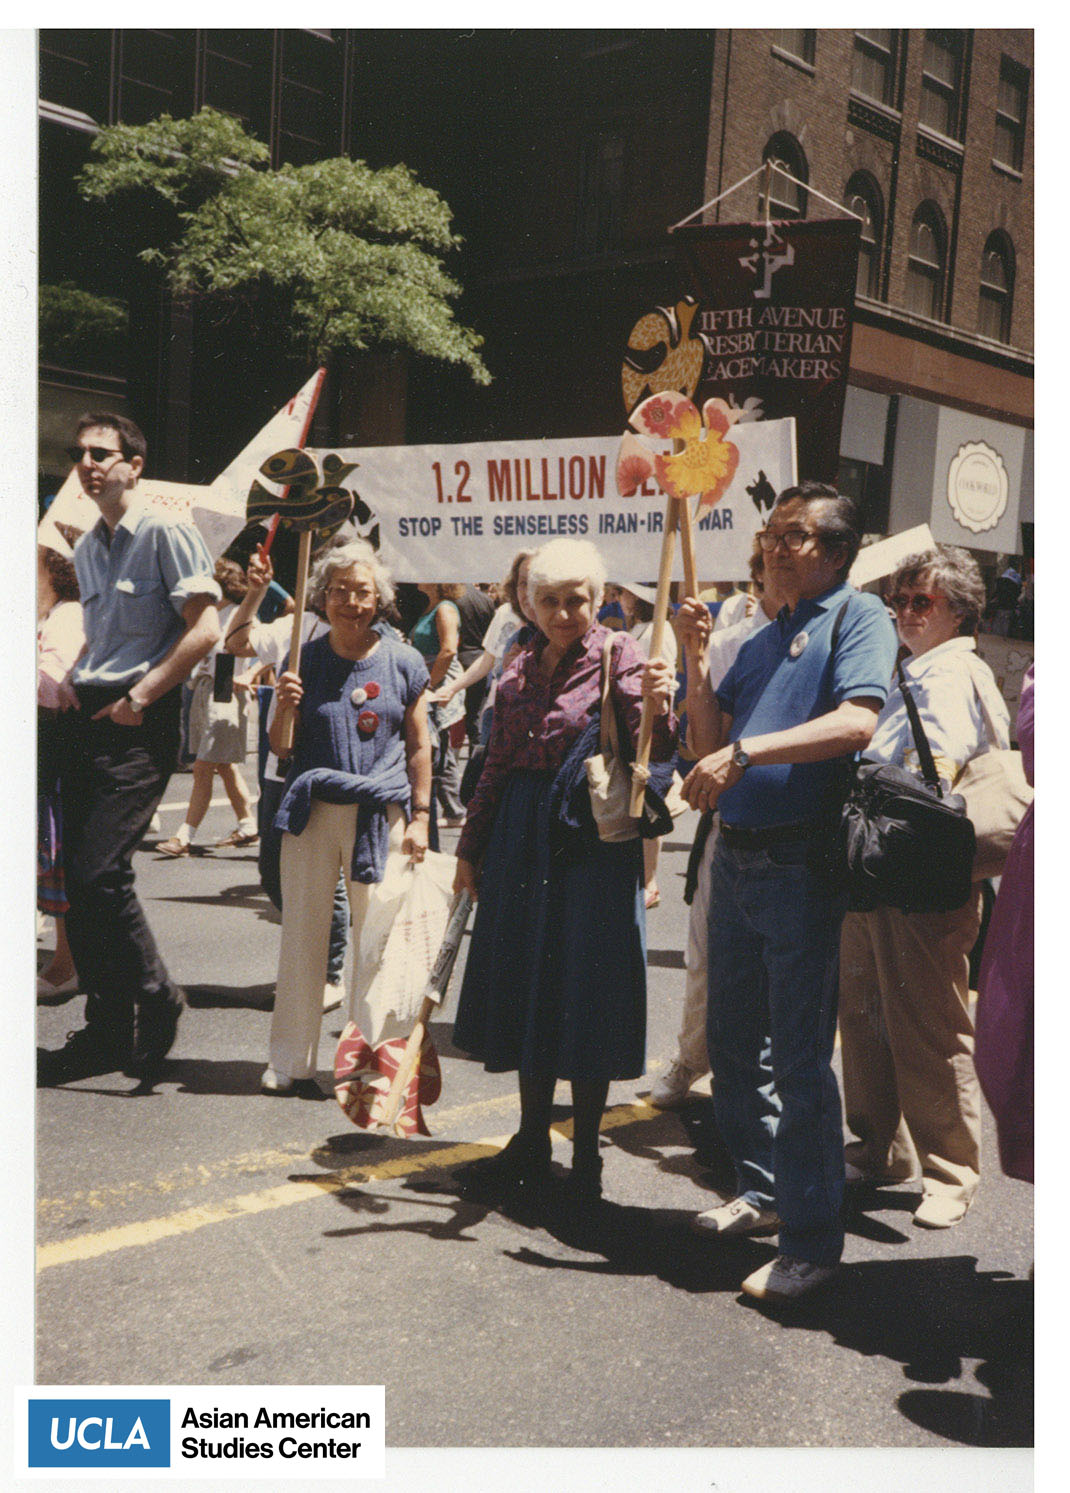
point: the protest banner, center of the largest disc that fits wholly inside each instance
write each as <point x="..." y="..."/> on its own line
<point x="461" y="512"/>
<point x="775" y="303"/>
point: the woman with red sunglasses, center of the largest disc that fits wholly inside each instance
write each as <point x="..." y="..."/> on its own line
<point x="911" y="1094"/>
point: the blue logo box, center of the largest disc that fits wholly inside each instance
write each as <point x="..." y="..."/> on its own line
<point x="100" y="1433"/>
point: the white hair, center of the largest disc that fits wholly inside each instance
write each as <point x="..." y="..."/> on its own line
<point x="561" y="560"/>
<point x="341" y="557"/>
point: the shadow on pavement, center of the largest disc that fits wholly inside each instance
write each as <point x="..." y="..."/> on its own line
<point x="931" y="1315"/>
<point x="227" y="997"/>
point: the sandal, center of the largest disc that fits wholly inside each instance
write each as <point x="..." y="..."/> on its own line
<point x="174" y="847"/>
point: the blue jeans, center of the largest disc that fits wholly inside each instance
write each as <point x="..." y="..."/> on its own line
<point x="268" y="863"/>
<point x="771" y="1026"/>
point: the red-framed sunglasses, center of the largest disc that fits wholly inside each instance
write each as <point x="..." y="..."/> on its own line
<point x="919" y="605"/>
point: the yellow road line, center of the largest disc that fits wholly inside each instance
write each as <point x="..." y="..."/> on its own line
<point x="286" y="1194"/>
<point x="55" y="1209"/>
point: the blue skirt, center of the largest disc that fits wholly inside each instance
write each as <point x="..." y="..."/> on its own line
<point x="555" y="982"/>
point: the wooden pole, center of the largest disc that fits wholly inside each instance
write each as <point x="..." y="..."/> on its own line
<point x="661" y="600"/>
<point x="304" y="555"/>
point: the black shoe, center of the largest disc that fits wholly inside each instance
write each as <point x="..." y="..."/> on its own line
<point x="85" y="1054"/>
<point x="520" y="1163"/>
<point x="585" y="1179"/>
<point x="155" y="1029"/>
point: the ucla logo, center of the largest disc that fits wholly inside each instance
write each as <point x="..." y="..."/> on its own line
<point x="100" y="1433"/>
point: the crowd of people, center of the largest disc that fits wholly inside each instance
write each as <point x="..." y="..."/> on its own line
<point x="758" y="704"/>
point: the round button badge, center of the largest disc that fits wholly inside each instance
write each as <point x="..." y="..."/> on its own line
<point x="359" y="696"/>
<point x="798" y="643"/>
<point x="371" y="690"/>
<point x="367" y="722"/>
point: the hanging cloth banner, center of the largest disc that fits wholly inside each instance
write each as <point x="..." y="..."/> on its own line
<point x="774" y="318"/>
<point x="461" y="512"/>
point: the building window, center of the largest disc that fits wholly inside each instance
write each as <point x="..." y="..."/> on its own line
<point x="863" y="196"/>
<point x="157" y="75"/>
<point x="75" y="70"/>
<point x="797" y="44"/>
<point x="873" y="65"/>
<point x="941" y="83"/>
<point x="927" y="262"/>
<point x="237" y="74"/>
<point x="787" y="199"/>
<point x="1009" y="148"/>
<point x="308" y="96"/>
<point x="997" y="288"/>
<point x="601" y="215"/>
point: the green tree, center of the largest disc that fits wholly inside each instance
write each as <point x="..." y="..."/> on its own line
<point x="76" y="326"/>
<point x="352" y="256"/>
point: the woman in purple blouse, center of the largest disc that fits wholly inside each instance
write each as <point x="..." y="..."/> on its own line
<point x="555" y="983"/>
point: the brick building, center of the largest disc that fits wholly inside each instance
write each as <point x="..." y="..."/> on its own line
<point x="565" y="156"/>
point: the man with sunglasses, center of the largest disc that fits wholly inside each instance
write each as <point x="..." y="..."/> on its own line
<point x="802" y="693"/>
<point x="147" y="594"/>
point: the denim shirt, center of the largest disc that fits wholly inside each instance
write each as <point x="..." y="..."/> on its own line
<point x="134" y="583"/>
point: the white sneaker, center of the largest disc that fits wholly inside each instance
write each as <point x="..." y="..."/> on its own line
<point x="333" y="995"/>
<point x="275" y="1083"/>
<point x="786" y="1279"/>
<point x="737" y="1217"/>
<point x="937" y="1211"/>
<point x="671" y="1089"/>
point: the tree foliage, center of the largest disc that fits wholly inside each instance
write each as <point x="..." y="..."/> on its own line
<point x="355" y="253"/>
<point x="74" y="324"/>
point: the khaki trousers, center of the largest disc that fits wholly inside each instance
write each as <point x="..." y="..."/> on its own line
<point x="691" y="1043"/>
<point x="910" y="1091"/>
<point x="309" y="866"/>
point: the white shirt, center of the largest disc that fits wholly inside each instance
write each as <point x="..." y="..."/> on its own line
<point x="948" y="683"/>
<point x="270" y="642"/>
<point x="60" y="637"/>
<point x="500" y="629"/>
<point x="642" y="633"/>
<point x="725" y="643"/>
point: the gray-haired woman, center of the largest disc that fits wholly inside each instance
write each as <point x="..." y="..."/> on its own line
<point x="555" y="983"/>
<point x="911" y="1095"/>
<point x="358" y="787"/>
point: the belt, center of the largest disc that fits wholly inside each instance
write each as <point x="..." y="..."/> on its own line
<point x="742" y="838"/>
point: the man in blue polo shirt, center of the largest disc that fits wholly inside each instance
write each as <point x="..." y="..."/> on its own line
<point x="803" y="693"/>
<point x="147" y="594"/>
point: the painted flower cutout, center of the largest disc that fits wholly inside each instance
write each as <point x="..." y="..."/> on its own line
<point x="707" y="461"/>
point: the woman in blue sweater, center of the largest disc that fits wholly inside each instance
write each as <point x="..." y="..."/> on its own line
<point x="358" y="786"/>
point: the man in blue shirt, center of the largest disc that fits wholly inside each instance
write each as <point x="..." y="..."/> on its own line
<point x="147" y="600"/>
<point x="802" y="695"/>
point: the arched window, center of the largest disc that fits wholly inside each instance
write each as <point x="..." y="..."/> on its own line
<point x="997" y="288"/>
<point x="863" y="196"/>
<point x="786" y="199"/>
<point x="927" y="262"/>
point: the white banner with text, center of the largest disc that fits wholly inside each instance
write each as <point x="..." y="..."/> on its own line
<point x="461" y="512"/>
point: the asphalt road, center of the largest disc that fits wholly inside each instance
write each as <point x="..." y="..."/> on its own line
<point x="196" y="1232"/>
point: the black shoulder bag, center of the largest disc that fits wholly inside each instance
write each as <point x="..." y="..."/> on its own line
<point x="908" y="845"/>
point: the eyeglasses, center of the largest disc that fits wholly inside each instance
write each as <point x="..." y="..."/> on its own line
<point x="793" y="539"/>
<point x="357" y="594"/>
<point x="919" y="605"/>
<point x="98" y="453"/>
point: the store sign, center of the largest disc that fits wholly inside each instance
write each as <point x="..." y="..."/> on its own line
<point x="461" y="512"/>
<point x="977" y="486"/>
<point x="977" y="475"/>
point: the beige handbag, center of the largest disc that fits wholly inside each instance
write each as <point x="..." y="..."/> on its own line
<point x="997" y="795"/>
<point x="609" y="781"/>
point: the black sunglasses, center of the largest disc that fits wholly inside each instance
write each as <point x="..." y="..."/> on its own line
<point x="98" y="453"/>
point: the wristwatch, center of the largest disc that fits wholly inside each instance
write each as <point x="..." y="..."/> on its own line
<point x="134" y="706"/>
<point x="740" y="757"/>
